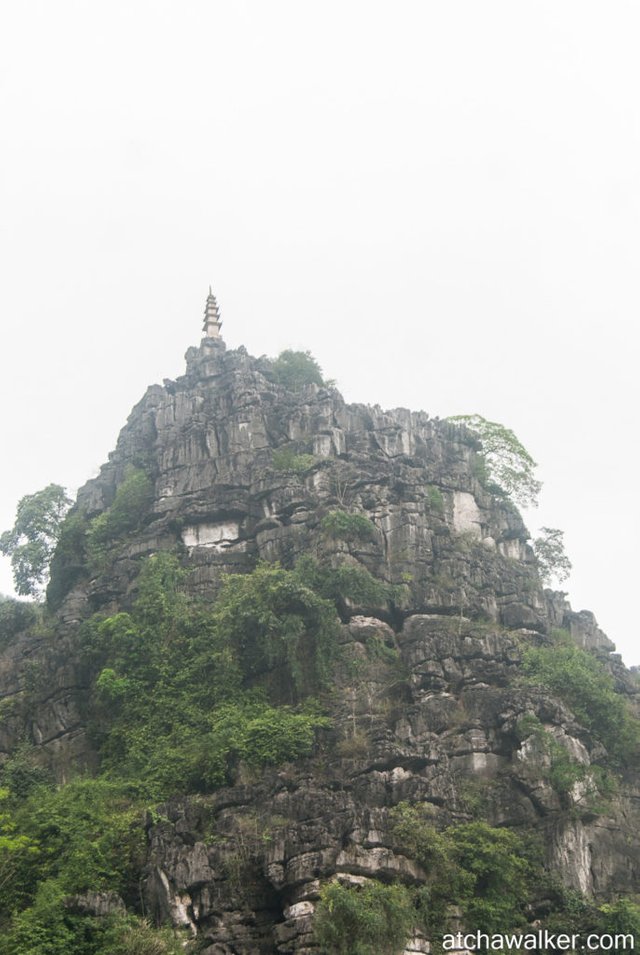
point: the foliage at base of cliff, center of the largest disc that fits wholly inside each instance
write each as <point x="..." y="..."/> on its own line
<point x="186" y="695"/>
<point x="182" y="694"/>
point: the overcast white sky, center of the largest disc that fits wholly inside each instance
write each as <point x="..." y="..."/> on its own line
<point x="440" y="199"/>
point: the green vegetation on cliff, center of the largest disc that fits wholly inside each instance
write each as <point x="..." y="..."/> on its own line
<point x="182" y="694"/>
<point x="184" y="691"/>
<point x="553" y="562"/>
<point x="32" y="540"/>
<point x="130" y="505"/>
<point x="85" y="836"/>
<point x="489" y="873"/>
<point x="308" y="733"/>
<point x="295" y="369"/>
<point x="582" y="681"/>
<point x="372" y="920"/>
<point x="347" y="526"/>
<point x="505" y="464"/>
<point x="15" y="616"/>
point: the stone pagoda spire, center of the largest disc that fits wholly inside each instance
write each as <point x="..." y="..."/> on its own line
<point x="212" y="324"/>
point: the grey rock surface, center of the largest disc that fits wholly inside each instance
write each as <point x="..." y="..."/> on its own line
<point x="433" y="721"/>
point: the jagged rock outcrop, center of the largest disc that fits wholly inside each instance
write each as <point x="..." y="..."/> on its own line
<point x="445" y="738"/>
<point x="209" y="438"/>
<point x="435" y="720"/>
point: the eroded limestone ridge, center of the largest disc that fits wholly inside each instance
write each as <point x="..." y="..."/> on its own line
<point x="222" y="446"/>
<point x="242" y="470"/>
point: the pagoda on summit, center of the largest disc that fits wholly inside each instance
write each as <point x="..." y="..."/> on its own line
<point x="212" y="324"/>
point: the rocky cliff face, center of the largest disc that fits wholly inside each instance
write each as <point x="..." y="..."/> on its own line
<point x="446" y="737"/>
<point x="436" y="721"/>
<point x="208" y="440"/>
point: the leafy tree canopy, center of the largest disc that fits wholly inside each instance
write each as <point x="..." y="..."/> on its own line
<point x="552" y="560"/>
<point x="508" y="463"/>
<point x="295" y="369"/>
<point x="32" y="540"/>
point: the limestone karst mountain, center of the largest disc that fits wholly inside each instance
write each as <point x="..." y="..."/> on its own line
<point x="438" y="709"/>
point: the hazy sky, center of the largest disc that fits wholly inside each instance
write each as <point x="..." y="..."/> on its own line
<point x="440" y="199"/>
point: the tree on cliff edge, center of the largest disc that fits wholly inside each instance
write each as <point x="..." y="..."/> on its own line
<point x="295" y="369"/>
<point x="508" y="463"/>
<point x="32" y="540"/>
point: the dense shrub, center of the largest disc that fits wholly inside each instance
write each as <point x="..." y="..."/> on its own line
<point x="49" y="927"/>
<point x="258" y="734"/>
<point x="285" y="459"/>
<point x="170" y="715"/>
<point x="15" y="616"/>
<point x="585" y="685"/>
<point x="134" y="936"/>
<point x="273" y="620"/>
<point x="130" y="505"/>
<point x="89" y="833"/>
<point x="347" y="526"/>
<point x="621" y="917"/>
<point x="488" y="872"/>
<point x="42" y="927"/>
<point x="347" y="583"/>
<point x="374" y="919"/>
<point x="17" y="851"/>
<point x="86" y="835"/>
<point x="21" y="772"/>
<point x="498" y="870"/>
<point x="181" y="689"/>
